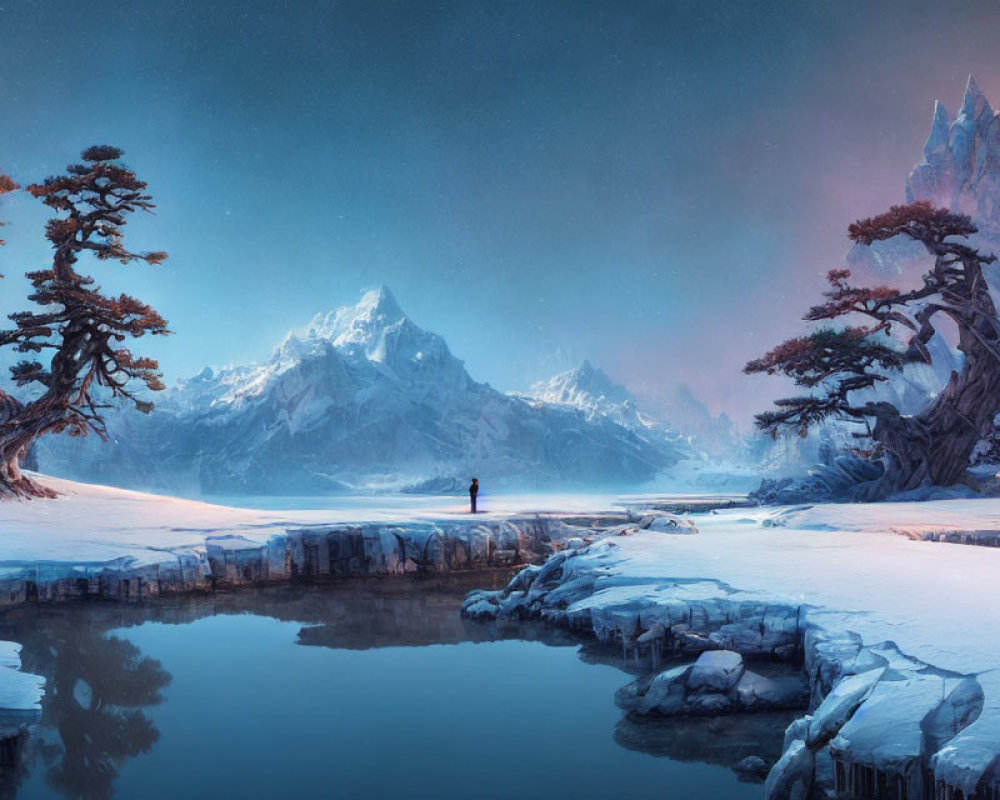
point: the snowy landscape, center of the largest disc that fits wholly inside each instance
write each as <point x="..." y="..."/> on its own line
<point x="642" y="479"/>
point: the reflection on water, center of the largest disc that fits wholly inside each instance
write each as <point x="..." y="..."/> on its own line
<point x="344" y="691"/>
<point x="722" y="740"/>
<point x="96" y="689"/>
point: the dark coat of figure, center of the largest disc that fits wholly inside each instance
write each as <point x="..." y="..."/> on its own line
<point x="473" y="493"/>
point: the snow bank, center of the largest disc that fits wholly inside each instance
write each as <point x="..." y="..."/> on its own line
<point x="119" y="544"/>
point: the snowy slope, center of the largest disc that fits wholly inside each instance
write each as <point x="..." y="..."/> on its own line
<point x="589" y="389"/>
<point x="714" y="458"/>
<point x="362" y="397"/>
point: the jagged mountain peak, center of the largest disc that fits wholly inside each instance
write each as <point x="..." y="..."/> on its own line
<point x="380" y="304"/>
<point x="960" y="168"/>
<point x="585" y="382"/>
<point x="974" y="103"/>
<point x="294" y="348"/>
<point x="938" y="138"/>
<point x="376" y="310"/>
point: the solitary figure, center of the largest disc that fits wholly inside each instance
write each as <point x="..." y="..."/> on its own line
<point x="473" y="493"/>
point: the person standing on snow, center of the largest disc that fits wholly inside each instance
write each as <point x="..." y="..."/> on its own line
<point x="474" y="493"/>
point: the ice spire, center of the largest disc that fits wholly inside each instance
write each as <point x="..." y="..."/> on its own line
<point x="974" y="103"/>
<point x="938" y="137"/>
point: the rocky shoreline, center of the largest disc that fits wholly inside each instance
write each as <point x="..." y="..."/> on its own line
<point x="227" y="561"/>
<point x="875" y="723"/>
<point x="311" y="554"/>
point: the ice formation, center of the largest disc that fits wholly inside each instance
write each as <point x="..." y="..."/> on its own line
<point x="889" y="624"/>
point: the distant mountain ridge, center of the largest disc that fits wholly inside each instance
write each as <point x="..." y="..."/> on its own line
<point x="592" y="391"/>
<point x="585" y="386"/>
<point x="363" y="398"/>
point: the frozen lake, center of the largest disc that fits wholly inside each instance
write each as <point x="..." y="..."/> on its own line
<point x="374" y="689"/>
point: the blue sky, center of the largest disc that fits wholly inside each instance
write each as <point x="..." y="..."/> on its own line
<point x="657" y="187"/>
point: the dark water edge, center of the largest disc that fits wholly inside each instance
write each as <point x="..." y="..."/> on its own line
<point x="365" y="688"/>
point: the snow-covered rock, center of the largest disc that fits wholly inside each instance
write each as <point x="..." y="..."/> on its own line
<point x="363" y="397"/>
<point x="718" y="682"/>
<point x="755" y="692"/>
<point x="718" y="670"/>
<point x="668" y="523"/>
<point x="838" y="706"/>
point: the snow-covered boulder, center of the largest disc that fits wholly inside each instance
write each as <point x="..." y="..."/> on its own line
<point x="716" y="670"/>
<point x="759" y="692"/>
<point x="885" y="734"/>
<point x="663" y="693"/>
<point x="718" y="682"/>
<point x="966" y="760"/>
<point x="838" y="706"/>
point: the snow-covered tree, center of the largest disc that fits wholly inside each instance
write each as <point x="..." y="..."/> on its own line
<point x="933" y="446"/>
<point x="81" y="327"/>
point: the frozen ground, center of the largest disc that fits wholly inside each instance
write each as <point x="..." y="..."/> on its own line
<point x="91" y="524"/>
<point x="926" y="596"/>
<point x="930" y="598"/>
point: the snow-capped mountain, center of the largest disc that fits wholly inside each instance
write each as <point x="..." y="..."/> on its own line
<point x="586" y="387"/>
<point x="589" y="389"/>
<point x="713" y="455"/>
<point x="362" y="397"/>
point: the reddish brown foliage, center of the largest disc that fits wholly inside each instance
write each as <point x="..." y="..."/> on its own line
<point x="77" y="322"/>
<point x="841" y="362"/>
<point x="846" y="299"/>
<point x="825" y="353"/>
<point x="918" y="220"/>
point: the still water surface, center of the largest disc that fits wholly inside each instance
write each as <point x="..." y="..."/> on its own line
<point x="356" y="690"/>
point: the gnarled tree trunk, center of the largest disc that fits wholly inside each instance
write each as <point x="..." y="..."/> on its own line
<point x="935" y="446"/>
<point x="16" y="438"/>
